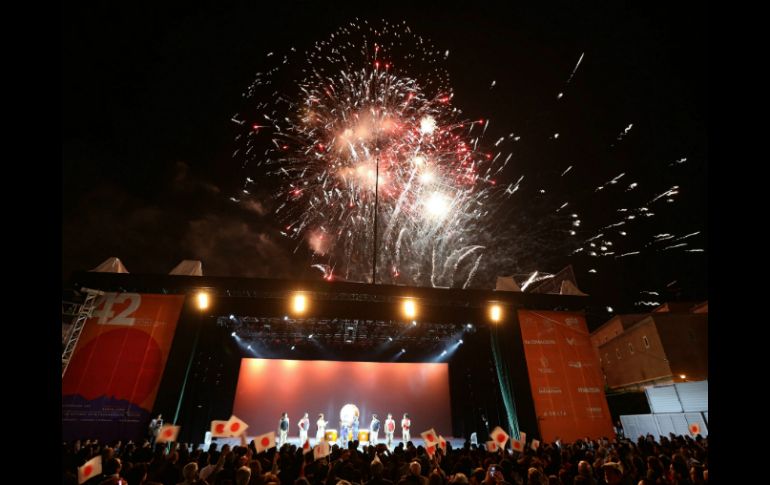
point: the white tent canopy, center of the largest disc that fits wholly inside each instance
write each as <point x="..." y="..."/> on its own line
<point x="188" y="267"/>
<point x="110" y="265"/>
<point x="506" y="283"/>
<point x="569" y="288"/>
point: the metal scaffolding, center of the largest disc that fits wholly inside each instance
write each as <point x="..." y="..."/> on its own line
<point x="78" y="313"/>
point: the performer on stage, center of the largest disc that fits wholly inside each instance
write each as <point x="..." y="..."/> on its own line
<point x="283" y="428"/>
<point x="321" y="423"/>
<point x="390" y="428"/>
<point x="406" y="423"/>
<point x="304" y="425"/>
<point x="374" y="430"/>
<point x="344" y="430"/>
<point x="355" y="427"/>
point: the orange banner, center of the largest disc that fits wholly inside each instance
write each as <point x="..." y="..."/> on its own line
<point x="115" y="371"/>
<point x="565" y="376"/>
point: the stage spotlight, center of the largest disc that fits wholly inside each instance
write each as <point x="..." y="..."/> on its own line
<point x="460" y="342"/>
<point x="249" y="347"/>
<point x="390" y="339"/>
<point x="443" y="353"/>
<point x="469" y="326"/>
<point x="310" y="336"/>
<point x="293" y="347"/>
<point x="285" y="318"/>
<point x="203" y="300"/>
<point x="403" y="351"/>
<point x="409" y="308"/>
<point x="233" y="334"/>
<point x="299" y="304"/>
<point x="495" y="313"/>
<point x="414" y="322"/>
<point x="232" y="317"/>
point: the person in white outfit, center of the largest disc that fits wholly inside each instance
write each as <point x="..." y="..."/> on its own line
<point x="321" y="433"/>
<point x="304" y="425"/>
<point x="283" y="428"/>
<point x="406" y="423"/>
<point x="374" y="430"/>
<point x="390" y="428"/>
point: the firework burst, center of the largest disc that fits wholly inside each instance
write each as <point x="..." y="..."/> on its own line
<point x="364" y="147"/>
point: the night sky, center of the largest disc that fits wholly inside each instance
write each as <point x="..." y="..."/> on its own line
<point x="148" y="141"/>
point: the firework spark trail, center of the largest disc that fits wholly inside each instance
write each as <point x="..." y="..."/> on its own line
<point x="675" y="246"/>
<point x="627" y="254"/>
<point x="625" y="132"/>
<point x="472" y="271"/>
<point x="576" y="67"/>
<point x="572" y="74"/>
<point x="648" y="303"/>
<point x="687" y="235"/>
<point x="611" y="182"/>
<point x="672" y="191"/>
<point x="535" y="277"/>
<point x="457" y="256"/>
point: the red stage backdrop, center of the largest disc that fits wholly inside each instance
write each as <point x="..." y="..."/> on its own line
<point x="268" y="387"/>
<point x="565" y="375"/>
<point x="110" y="385"/>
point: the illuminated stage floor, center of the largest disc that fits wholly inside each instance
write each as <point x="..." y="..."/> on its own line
<point x="294" y="440"/>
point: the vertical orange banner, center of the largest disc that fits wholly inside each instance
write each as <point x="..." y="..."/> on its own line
<point x="111" y="382"/>
<point x="565" y="376"/>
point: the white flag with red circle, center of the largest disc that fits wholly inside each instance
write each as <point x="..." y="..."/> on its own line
<point x="694" y="429"/>
<point x="430" y="437"/>
<point x="92" y="468"/>
<point x="306" y="448"/>
<point x="321" y="450"/>
<point x="219" y="429"/>
<point x="265" y="441"/>
<point x="168" y="433"/>
<point x="499" y="436"/>
<point x="442" y="443"/>
<point x="492" y="447"/>
<point x="236" y="426"/>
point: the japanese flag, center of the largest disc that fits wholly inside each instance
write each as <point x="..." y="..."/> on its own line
<point x="92" y="468"/>
<point x="491" y="446"/>
<point x="235" y="427"/>
<point x="518" y="445"/>
<point x="535" y="444"/>
<point x="306" y="448"/>
<point x="694" y="429"/>
<point x="499" y="436"/>
<point x="168" y="433"/>
<point x="321" y="450"/>
<point x="429" y="437"/>
<point x="219" y="429"/>
<point x="265" y="441"/>
<point x="442" y="443"/>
